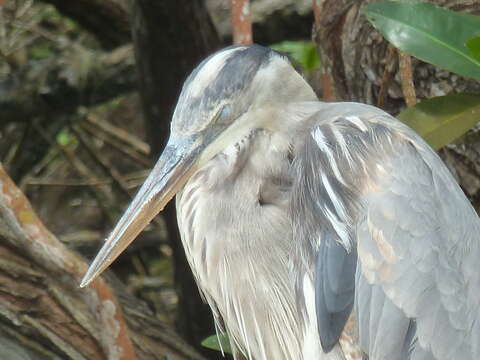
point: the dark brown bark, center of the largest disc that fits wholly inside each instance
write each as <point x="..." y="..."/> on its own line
<point x="108" y="20"/>
<point x="170" y="38"/>
<point x="43" y="312"/>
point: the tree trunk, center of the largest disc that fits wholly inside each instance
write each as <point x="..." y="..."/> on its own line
<point x="170" y="38"/>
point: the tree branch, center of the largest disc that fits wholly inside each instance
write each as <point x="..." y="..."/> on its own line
<point x="241" y="22"/>
<point x="406" y="78"/>
<point x="43" y="310"/>
<point x="108" y="20"/>
<point x="41" y="246"/>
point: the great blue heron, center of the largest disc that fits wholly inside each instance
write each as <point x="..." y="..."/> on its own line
<point x="314" y="230"/>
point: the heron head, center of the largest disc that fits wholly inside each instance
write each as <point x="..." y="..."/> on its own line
<point x="226" y="97"/>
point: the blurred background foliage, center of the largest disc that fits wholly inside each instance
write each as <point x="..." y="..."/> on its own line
<point x="304" y="52"/>
<point x="70" y="180"/>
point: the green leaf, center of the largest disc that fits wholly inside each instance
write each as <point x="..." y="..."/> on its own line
<point x="473" y="45"/>
<point x="443" y="119"/>
<point x="304" y="52"/>
<point x="40" y="52"/>
<point x="212" y="342"/>
<point x="64" y="138"/>
<point x="430" y="33"/>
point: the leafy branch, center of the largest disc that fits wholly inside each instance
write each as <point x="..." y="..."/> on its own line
<point x="444" y="38"/>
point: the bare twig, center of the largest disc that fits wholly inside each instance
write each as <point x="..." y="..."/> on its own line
<point x="406" y="78"/>
<point x="118" y="180"/>
<point x="119" y="146"/>
<point x="316" y="12"/>
<point x="73" y="183"/>
<point x="82" y="238"/>
<point x="45" y="163"/>
<point x="15" y="148"/>
<point x="120" y="134"/>
<point x="327" y="86"/>
<point x="390" y="65"/>
<point x="103" y="198"/>
<point x="102" y="161"/>
<point x="241" y="22"/>
<point x="137" y="177"/>
<point x="131" y="180"/>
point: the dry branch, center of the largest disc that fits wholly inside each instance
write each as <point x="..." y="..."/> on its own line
<point x="406" y="78"/>
<point x="113" y="141"/>
<point x="104" y="198"/>
<point x="101" y="160"/>
<point x="26" y="231"/>
<point x="241" y="22"/>
<point x="120" y="134"/>
<point x="388" y="73"/>
<point x="43" y="311"/>
<point x="326" y="81"/>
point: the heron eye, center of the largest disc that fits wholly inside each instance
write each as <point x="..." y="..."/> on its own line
<point x="223" y="115"/>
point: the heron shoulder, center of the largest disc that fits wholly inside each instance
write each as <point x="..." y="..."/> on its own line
<point x="344" y="151"/>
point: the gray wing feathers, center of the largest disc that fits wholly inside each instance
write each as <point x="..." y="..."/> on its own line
<point x="417" y="280"/>
<point x="381" y="338"/>
<point x="334" y="290"/>
<point x="406" y="245"/>
<point x="385" y="331"/>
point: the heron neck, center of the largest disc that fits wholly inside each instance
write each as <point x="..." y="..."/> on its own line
<point x="289" y="120"/>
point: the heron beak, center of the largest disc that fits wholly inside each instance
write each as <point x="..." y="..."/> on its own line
<point x="171" y="172"/>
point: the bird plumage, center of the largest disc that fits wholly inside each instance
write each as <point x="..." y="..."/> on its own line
<point x="314" y="230"/>
<point x="414" y="232"/>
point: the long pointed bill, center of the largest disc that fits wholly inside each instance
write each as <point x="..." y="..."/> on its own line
<point x="169" y="175"/>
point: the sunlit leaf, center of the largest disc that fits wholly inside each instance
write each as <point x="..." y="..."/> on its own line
<point x="430" y="33"/>
<point x="304" y="52"/>
<point x="443" y="119"/>
<point x="473" y="45"/>
<point x="212" y="342"/>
